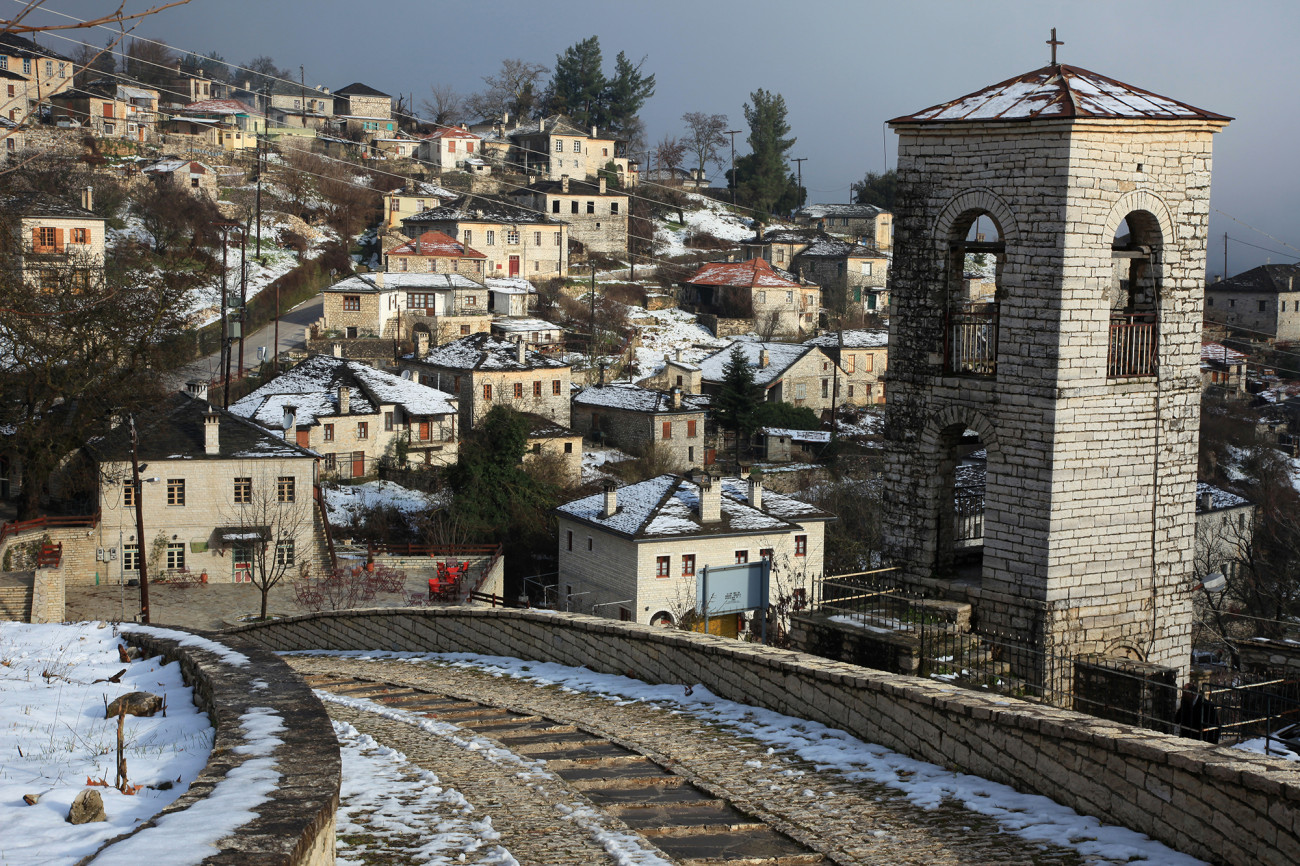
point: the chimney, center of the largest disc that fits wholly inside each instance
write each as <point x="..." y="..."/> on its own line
<point x="1207" y="501"/>
<point x="593" y="132"/>
<point x="211" y="430"/>
<point x="602" y="183"/>
<point x="87" y="197"/>
<point x="421" y="344"/>
<point x="674" y="398"/>
<point x="764" y="358"/>
<point x="611" y="499"/>
<point x="710" y="499"/>
<point x="290" y="421"/>
<point x="677" y="355"/>
<point x="196" y="389"/>
<point x="520" y="350"/>
<point x="345" y="400"/>
<point x="564" y="183"/>
<point x="756" y="491"/>
<point x="541" y="124"/>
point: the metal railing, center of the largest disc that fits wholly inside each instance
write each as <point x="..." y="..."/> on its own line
<point x="1132" y="346"/>
<point x="971" y="340"/>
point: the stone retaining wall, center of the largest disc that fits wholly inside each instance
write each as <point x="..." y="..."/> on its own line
<point x="296" y="826"/>
<point x="1215" y="803"/>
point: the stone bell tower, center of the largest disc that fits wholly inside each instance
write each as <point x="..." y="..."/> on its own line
<point x="1086" y="201"/>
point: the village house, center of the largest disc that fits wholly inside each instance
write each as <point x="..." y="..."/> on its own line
<point x="537" y="333"/>
<point x="676" y="373"/>
<point x="435" y="253"/>
<point x="194" y="177"/>
<point x="787" y="372"/>
<point x="853" y="277"/>
<point x="110" y="108"/>
<point x="781" y="445"/>
<point x="441" y="306"/>
<point x="554" y="147"/>
<point x="412" y="199"/>
<point x="354" y="416"/>
<point x="547" y="439"/>
<point x="213" y="485"/>
<point x="297" y="106"/>
<point x="1223" y="368"/>
<point x="518" y="242"/>
<point x="398" y="146"/>
<point x="483" y="371"/>
<point x="510" y="296"/>
<point x="47" y="72"/>
<point x="1263" y="301"/>
<point x="224" y="123"/>
<point x="1225" y="525"/>
<point x="362" y="110"/>
<point x="865" y="223"/>
<point x="636" y="419"/>
<point x="862" y="356"/>
<point x="597" y="216"/>
<point x="185" y="84"/>
<point x="637" y="552"/>
<point x="14" y="102"/>
<point x="61" y="242"/>
<point x="774" y="301"/>
<point x="449" y="147"/>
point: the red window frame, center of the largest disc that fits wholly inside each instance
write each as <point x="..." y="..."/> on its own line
<point x="742" y="557"/>
<point x="519" y="390"/>
<point x="801" y="545"/>
<point x="688" y="565"/>
<point x="555" y="386"/>
<point x="690" y="429"/>
<point x="668" y="430"/>
<point x="663" y="565"/>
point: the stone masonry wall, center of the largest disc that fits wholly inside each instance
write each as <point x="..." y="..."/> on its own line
<point x="1215" y="803"/>
<point x="631" y="431"/>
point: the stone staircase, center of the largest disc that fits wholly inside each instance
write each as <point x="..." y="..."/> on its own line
<point x="16" y="597"/>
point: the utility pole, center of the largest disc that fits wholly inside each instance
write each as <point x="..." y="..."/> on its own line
<point x="223" y="364"/>
<point x="799" y="162"/>
<point x="302" y="84"/>
<point x="592" y="346"/>
<point x="139" y="524"/>
<point x="243" y="294"/>
<point x="1225" y="255"/>
<point x="733" y="133"/>
<point x="259" y="199"/>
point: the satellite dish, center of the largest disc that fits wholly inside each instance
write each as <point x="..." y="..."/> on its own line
<point x="1214" y="582"/>
<point x="406" y="374"/>
<point x="289" y="413"/>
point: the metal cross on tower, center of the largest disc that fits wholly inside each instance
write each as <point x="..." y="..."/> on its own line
<point x="1054" y="42"/>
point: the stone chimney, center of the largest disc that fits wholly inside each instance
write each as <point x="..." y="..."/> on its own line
<point x="710" y="499"/>
<point x="564" y="183"/>
<point x="211" y="433"/>
<point x="602" y="183"/>
<point x="88" y="197"/>
<point x="345" y="400"/>
<point x="1207" y="501"/>
<point x="541" y="124"/>
<point x="421" y="344"/>
<point x="337" y="349"/>
<point x="593" y="132"/>
<point x="520" y="350"/>
<point x="677" y="355"/>
<point x="610" y="507"/>
<point x="675" y="399"/>
<point x="197" y="389"/>
<point x="764" y="358"/>
<point x="756" y="491"/>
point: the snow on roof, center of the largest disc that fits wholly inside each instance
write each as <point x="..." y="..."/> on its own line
<point x="430" y="190"/>
<point x="633" y="398"/>
<point x="167" y="166"/>
<point x="482" y="209"/>
<point x="487" y="352"/>
<point x="220" y="106"/>
<point x="668" y="505"/>
<point x="837" y="247"/>
<point x="510" y="285"/>
<point x="1059" y="92"/>
<point x="515" y="324"/>
<point x="1221" y="354"/>
<point x="853" y="211"/>
<point x="1220" y="499"/>
<point x="780" y="357"/>
<point x="434" y="243"/>
<point x="312" y="389"/>
<point x="858" y="338"/>
<point x="755" y="273"/>
<point x="799" y="435"/>
<point x="452" y="132"/>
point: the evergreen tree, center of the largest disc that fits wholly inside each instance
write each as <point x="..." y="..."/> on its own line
<point x="578" y="85"/>
<point x="625" y="94"/>
<point x="766" y="176"/>
<point x="736" y="405"/>
<point x="878" y="188"/>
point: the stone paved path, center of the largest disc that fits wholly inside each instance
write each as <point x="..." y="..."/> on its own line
<point x="849" y="822"/>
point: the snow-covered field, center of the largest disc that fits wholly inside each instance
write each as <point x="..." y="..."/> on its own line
<point x="663" y="332"/>
<point x="709" y="216"/>
<point x="346" y="503"/>
<point x="54" y="737"/>
<point x="595" y="460"/>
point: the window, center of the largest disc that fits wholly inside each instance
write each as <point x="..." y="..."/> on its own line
<point x="662" y="564"/>
<point x="388" y="420"/>
<point x="559" y="145"/>
<point x="175" y="555"/>
<point x="487" y="391"/>
<point x="789" y="297"/>
<point x="690" y="454"/>
<point x="668" y="429"/>
<point x="130" y="557"/>
<point x="175" y="491"/>
<point x="401" y="266"/>
<point x="46" y="238"/>
<point x="568" y="539"/>
<point x="80" y="236"/>
<point x="801" y="545"/>
<point x="352" y="303"/>
<point x="688" y="565"/>
<point x="844" y="221"/>
<point x="328" y="430"/>
<point x="27" y="66"/>
<point x="577" y="146"/>
<point x="491" y="238"/>
<point x="49" y="69"/>
<point x="568" y="447"/>
<point x="425" y="431"/>
<point x="555" y="205"/>
<point x="519" y="390"/>
<point x="451" y="147"/>
<point x="471" y="300"/>
<point x="826" y="388"/>
<point x="512" y="236"/>
<point x="4" y="64"/>
<point x="537" y="388"/>
<point x="613" y="208"/>
<point x="469" y="237"/>
<point x="801" y="391"/>
<point x="1232" y="302"/>
<point x="284" y="551"/>
<point x="591" y="207"/>
<point x="421" y="301"/>
<point x="284" y="488"/>
<point x="742" y="557"/>
<point x="866" y="269"/>
<point x="589" y="544"/>
<point x="555" y="386"/>
<point x="464" y="329"/>
<point x="690" y="429"/>
<point x="363" y="429"/>
<point x="868" y="362"/>
<point x="761" y="298"/>
<point x="537" y="239"/>
<point x="1263" y="305"/>
<point x="765" y="553"/>
<point x="194" y="183"/>
<point x="128" y="494"/>
<point x="573" y="206"/>
<point x="243" y="490"/>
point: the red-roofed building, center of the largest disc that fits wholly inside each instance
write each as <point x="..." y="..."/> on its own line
<point x="449" y="148"/>
<point x="434" y="253"/>
<point x="773" y="300"/>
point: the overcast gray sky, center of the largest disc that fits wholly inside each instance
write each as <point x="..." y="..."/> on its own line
<point x="844" y="67"/>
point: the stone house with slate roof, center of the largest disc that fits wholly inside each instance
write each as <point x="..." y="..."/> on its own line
<point x="517" y="241"/>
<point x="852" y="276"/>
<point x="546" y="438"/>
<point x="412" y="199"/>
<point x="353" y="415"/>
<point x="442" y="307"/>
<point x="865" y="223"/>
<point x="801" y="375"/>
<point x="447" y="149"/>
<point x="56" y="235"/>
<point x="775" y="302"/>
<point x="224" y="123"/>
<point x="635" y="418"/>
<point x="482" y="371"/>
<point x="1263" y="301"/>
<point x="193" y="176"/>
<point x="14" y="104"/>
<point x="597" y="216"/>
<point x="296" y="106"/>
<point x="208" y="475"/>
<point x="638" y="550"/>
<point x="110" y="108"/>
<point x="46" y="71"/>
<point x="361" y="109"/>
<point x="554" y="147"/>
<point x="862" y="358"/>
<point x="1224" y="368"/>
<point x="434" y="252"/>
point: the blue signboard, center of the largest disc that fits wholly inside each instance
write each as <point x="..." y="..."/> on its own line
<point x="724" y="589"/>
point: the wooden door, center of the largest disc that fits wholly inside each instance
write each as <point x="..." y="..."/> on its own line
<point x="514" y="266"/>
<point x="358" y="464"/>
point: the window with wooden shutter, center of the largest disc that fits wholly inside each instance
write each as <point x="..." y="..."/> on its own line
<point x="424" y="431"/>
<point x="690" y="429"/>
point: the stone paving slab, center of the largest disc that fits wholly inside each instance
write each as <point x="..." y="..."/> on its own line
<point x="849" y="822"/>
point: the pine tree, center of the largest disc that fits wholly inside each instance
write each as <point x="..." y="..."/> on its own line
<point x="736" y="405"/>
<point x="763" y="176"/>
<point x="625" y="94"/>
<point x="578" y="84"/>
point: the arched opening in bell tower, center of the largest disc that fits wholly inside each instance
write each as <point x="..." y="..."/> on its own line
<point x="1136" y="257"/>
<point x="962" y="462"/>
<point x="976" y="253"/>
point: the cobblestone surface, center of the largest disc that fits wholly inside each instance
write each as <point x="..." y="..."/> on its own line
<point x="851" y="822"/>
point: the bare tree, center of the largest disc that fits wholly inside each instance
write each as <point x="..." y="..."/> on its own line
<point x="274" y="527"/>
<point x="443" y="105"/>
<point x="347" y="587"/>
<point x="704" y="136"/>
<point x="669" y="153"/>
<point x="514" y="88"/>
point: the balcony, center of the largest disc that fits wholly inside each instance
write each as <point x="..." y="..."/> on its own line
<point x="1132" y="346"/>
<point x="971" y="340"/>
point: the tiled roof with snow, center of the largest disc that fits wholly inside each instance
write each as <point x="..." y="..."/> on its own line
<point x="433" y="243"/>
<point x="312" y="388"/>
<point x="1217" y="353"/>
<point x="822" y="436"/>
<point x="481" y="209"/>
<point x="857" y="338"/>
<point x="167" y="166"/>
<point x="852" y="211"/>
<point x="1220" y="499"/>
<point x="1055" y="92"/>
<point x="487" y="352"/>
<point x="837" y="248"/>
<point x="755" y="273"/>
<point x="517" y="324"/>
<point x="451" y="132"/>
<point x="633" y="398"/>
<point x="668" y="506"/>
<point x="780" y="357"/>
<point x="510" y="285"/>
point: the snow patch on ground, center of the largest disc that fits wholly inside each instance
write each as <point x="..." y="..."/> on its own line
<point x="709" y="216"/>
<point x="345" y="504"/>
<point x="663" y="332"/>
<point x="594" y="462"/>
